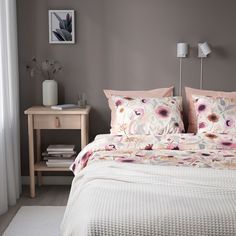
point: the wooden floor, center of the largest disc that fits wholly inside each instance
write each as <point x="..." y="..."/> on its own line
<point x="46" y="196"/>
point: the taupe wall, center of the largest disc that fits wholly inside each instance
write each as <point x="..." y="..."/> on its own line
<point x="124" y="44"/>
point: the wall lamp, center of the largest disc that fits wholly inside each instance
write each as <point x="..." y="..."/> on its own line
<point x="203" y="51"/>
<point x="182" y="52"/>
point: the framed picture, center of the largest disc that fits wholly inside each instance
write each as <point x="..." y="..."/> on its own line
<point x="61" y="26"/>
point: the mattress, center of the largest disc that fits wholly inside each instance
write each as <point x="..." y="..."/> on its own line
<point x="180" y="184"/>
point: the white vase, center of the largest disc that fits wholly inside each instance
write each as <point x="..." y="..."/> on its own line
<point x="50" y="93"/>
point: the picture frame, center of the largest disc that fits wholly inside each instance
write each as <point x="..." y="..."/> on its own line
<point x="61" y="26"/>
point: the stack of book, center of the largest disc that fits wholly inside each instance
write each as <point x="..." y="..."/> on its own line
<point x="59" y="155"/>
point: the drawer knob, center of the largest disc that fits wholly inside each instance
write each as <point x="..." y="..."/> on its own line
<point x="57" y="122"/>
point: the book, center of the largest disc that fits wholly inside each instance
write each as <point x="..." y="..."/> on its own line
<point x="60" y="161"/>
<point x="64" y="106"/>
<point x="47" y="158"/>
<point x="62" y="164"/>
<point x="59" y="155"/>
<point x="60" y="148"/>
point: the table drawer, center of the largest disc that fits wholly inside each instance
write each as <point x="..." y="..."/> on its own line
<point x="57" y="121"/>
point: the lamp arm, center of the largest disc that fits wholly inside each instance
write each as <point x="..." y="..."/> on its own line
<point x="180" y="76"/>
<point x="201" y="74"/>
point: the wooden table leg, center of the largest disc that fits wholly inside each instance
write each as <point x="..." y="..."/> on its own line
<point x="31" y="155"/>
<point x="38" y="148"/>
<point x="87" y="128"/>
<point x="83" y="131"/>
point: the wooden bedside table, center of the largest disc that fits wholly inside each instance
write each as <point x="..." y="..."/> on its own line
<point x="47" y="118"/>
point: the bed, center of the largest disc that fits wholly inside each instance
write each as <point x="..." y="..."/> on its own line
<point x="173" y="184"/>
<point x="148" y="177"/>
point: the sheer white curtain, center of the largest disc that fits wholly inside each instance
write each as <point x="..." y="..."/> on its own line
<point x="9" y="107"/>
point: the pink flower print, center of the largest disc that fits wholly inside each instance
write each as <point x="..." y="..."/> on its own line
<point x="201" y="125"/>
<point x="162" y="112"/>
<point x="85" y="158"/>
<point x="170" y="146"/>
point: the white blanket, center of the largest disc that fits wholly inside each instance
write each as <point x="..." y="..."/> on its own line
<point x="112" y="198"/>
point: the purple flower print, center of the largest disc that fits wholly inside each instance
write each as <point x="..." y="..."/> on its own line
<point x="118" y="102"/>
<point x="162" y="112"/>
<point x="201" y="125"/>
<point x="226" y="143"/>
<point x="201" y="107"/>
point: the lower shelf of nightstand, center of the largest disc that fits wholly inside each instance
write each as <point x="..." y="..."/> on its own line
<point x="41" y="166"/>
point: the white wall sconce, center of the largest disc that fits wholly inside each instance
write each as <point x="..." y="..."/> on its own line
<point x="182" y="52"/>
<point x="203" y="51"/>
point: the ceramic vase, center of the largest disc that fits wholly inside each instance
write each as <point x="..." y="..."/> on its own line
<point x="50" y="93"/>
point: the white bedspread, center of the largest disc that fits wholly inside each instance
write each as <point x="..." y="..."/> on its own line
<point x="112" y="198"/>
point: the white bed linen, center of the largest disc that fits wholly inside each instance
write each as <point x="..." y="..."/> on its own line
<point x="112" y="198"/>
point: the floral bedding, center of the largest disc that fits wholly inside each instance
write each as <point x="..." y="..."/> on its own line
<point x="216" y="115"/>
<point x="147" y="115"/>
<point x="207" y="150"/>
<point x="175" y="184"/>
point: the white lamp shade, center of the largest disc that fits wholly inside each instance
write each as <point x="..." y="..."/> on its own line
<point x="203" y="49"/>
<point x="182" y="49"/>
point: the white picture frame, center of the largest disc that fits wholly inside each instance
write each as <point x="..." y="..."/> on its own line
<point x="61" y="26"/>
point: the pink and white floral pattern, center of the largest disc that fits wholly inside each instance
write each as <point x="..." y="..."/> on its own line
<point x="147" y="115"/>
<point x="216" y="115"/>
<point x="201" y="150"/>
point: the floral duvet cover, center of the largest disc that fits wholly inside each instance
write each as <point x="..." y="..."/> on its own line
<point x="202" y="150"/>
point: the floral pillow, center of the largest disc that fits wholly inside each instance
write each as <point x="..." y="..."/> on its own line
<point x="147" y="115"/>
<point x="215" y="115"/>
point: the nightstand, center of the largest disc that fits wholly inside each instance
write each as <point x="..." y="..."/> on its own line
<point x="40" y="118"/>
